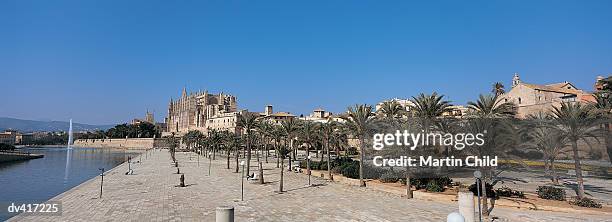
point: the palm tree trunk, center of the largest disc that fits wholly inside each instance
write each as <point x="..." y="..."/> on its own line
<point x="483" y="191"/>
<point x="608" y="140"/>
<point x="408" y="184"/>
<point x="290" y="147"/>
<point x="579" y="180"/>
<point x="361" y="158"/>
<point x="236" y="155"/>
<point x="329" y="175"/>
<point x="267" y="151"/>
<point x="228" y="160"/>
<point x="248" y="158"/>
<point x="280" y="185"/>
<point x="553" y="172"/>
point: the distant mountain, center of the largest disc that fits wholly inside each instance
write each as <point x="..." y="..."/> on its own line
<point x="37" y="126"/>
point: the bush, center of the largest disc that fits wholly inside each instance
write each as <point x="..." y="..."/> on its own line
<point x="350" y="169"/>
<point x="434" y="186"/>
<point x="422" y="183"/>
<point x="322" y="165"/>
<point x="507" y="192"/>
<point x="336" y="170"/>
<point x="389" y="177"/>
<point x="488" y="188"/>
<point x="372" y="172"/>
<point x="551" y="193"/>
<point x="585" y="202"/>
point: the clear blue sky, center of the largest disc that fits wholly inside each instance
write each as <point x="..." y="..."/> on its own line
<point x="108" y="61"/>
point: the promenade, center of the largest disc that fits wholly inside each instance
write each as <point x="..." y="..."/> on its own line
<point x="151" y="194"/>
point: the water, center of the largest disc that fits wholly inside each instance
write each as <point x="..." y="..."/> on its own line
<point x="61" y="169"/>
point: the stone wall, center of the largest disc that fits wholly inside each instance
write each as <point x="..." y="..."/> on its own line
<point x="130" y="143"/>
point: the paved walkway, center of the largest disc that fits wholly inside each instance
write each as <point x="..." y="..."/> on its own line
<point x="151" y="195"/>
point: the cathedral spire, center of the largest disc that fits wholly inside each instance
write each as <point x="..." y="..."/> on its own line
<point x="184" y="94"/>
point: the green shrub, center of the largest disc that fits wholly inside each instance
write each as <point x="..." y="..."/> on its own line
<point x="585" y="202"/>
<point x="551" y="193"/>
<point x="434" y="186"/>
<point x="337" y="170"/>
<point x="488" y="188"/>
<point x="322" y="165"/>
<point x="389" y="177"/>
<point x="507" y="192"/>
<point x="350" y="169"/>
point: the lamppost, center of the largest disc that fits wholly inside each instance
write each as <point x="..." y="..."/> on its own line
<point x="209" y="162"/>
<point x="242" y="163"/>
<point x="478" y="175"/>
<point x="308" y="166"/>
<point x="102" y="182"/>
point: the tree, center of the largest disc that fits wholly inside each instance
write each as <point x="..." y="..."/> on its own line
<point x="498" y="89"/>
<point x="265" y="129"/>
<point x="577" y="122"/>
<point x="604" y="108"/>
<point x="360" y="120"/>
<point x="391" y="110"/>
<point x="490" y="106"/>
<point x="427" y="108"/>
<point x="290" y="128"/>
<point x="278" y="134"/>
<point x="247" y="121"/>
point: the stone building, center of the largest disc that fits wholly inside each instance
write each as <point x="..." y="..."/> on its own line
<point x="192" y="111"/>
<point x="275" y="118"/>
<point x="535" y="98"/>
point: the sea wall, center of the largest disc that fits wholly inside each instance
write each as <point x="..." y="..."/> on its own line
<point x="16" y="156"/>
<point x="129" y="143"/>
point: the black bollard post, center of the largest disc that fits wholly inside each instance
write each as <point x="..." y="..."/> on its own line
<point x="182" y="184"/>
<point x="178" y="170"/>
<point x="102" y="182"/>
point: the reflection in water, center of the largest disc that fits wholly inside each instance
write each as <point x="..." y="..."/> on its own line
<point x="61" y="169"/>
<point x="68" y="157"/>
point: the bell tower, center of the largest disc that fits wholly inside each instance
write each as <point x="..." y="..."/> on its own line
<point x="516" y="80"/>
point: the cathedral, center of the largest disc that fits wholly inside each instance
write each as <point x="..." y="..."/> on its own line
<point x="192" y="110"/>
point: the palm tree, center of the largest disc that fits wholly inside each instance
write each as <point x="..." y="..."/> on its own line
<point x="247" y="121"/>
<point x="360" y="120"/>
<point x="391" y="110"/>
<point x="490" y="106"/>
<point x="543" y="137"/>
<point x="308" y="135"/>
<point x="604" y="108"/>
<point x="428" y="108"/>
<point x="498" y="89"/>
<point x="278" y="134"/>
<point x="576" y="121"/>
<point x="327" y="131"/>
<point x="265" y="129"/>
<point x="291" y="127"/>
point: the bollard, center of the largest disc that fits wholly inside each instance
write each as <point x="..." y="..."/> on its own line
<point x="178" y="170"/>
<point x="182" y="184"/>
<point x="455" y="217"/>
<point x="224" y="214"/>
<point x="466" y="205"/>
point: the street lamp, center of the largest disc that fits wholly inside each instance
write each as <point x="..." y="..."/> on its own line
<point x="478" y="175"/>
<point x="242" y="163"/>
<point x="209" y="163"/>
<point x="102" y="182"/>
<point x="308" y="166"/>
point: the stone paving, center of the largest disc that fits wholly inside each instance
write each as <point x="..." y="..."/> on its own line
<point x="151" y="194"/>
